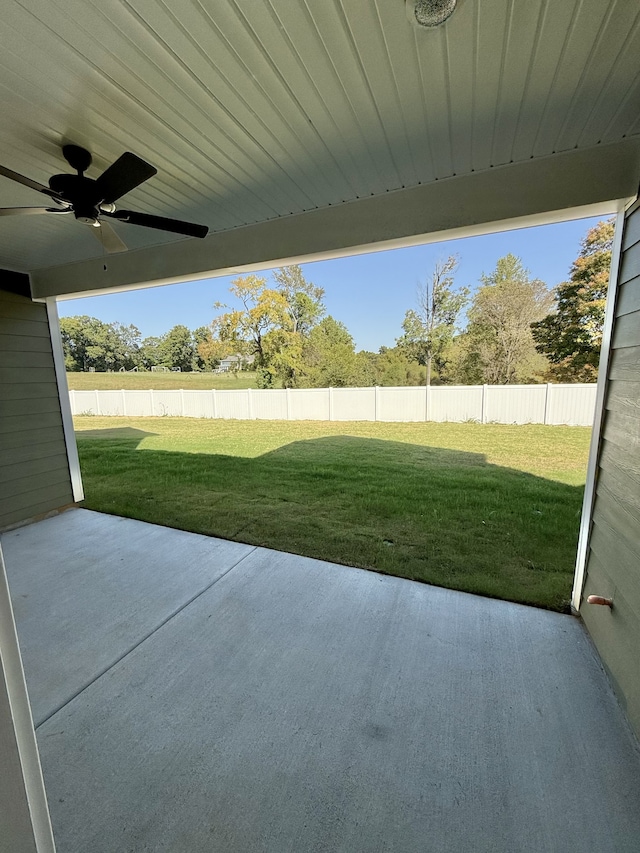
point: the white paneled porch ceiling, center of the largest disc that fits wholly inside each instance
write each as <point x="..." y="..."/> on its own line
<point x="254" y="110"/>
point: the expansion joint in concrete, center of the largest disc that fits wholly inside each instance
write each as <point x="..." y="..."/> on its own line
<point x="137" y="644"/>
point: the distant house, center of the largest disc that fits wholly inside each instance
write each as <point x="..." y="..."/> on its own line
<point x="235" y="362"/>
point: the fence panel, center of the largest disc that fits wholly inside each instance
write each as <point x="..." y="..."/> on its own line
<point x="507" y="404"/>
<point x="515" y="404"/>
<point x="402" y="404"/>
<point x="348" y="406"/>
<point x="166" y="404"/>
<point x="456" y="403"/>
<point x="310" y="404"/>
<point x="198" y="404"/>
<point x="269" y="405"/>
<point x="573" y="405"/>
<point x="232" y="405"/>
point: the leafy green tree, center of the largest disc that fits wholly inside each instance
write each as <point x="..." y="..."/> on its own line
<point x="498" y="344"/>
<point x="304" y="300"/>
<point x="179" y="348"/>
<point x="151" y="353"/>
<point x="571" y="337"/>
<point x="89" y="343"/>
<point x="395" y="368"/>
<point x="429" y="330"/>
<point x="330" y="357"/>
<point x="201" y="337"/>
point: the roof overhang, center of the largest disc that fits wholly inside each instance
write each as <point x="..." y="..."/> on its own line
<point x="309" y="129"/>
<point x="569" y="185"/>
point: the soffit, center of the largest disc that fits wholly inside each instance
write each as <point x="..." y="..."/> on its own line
<point x="263" y="109"/>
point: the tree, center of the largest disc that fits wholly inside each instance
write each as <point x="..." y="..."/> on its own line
<point x="395" y="368"/>
<point x="330" y="357"/>
<point x="429" y="330"/>
<point x="88" y="343"/>
<point x="179" y="348"/>
<point x="201" y="340"/>
<point x="272" y="324"/>
<point x="571" y="337"/>
<point x="151" y="353"/>
<point x="243" y="330"/>
<point x="304" y="300"/>
<point x="498" y="344"/>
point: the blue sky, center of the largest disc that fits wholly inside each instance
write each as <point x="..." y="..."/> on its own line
<point x="368" y="293"/>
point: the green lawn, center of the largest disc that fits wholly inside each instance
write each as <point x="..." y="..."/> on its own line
<point x="161" y="381"/>
<point x="489" y="509"/>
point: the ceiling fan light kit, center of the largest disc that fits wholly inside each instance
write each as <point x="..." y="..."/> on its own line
<point x="92" y="199"/>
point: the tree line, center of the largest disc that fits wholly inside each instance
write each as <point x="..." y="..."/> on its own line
<point x="511" y="329"/>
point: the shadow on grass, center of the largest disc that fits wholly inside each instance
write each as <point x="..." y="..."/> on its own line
<point x="440" y="516"/>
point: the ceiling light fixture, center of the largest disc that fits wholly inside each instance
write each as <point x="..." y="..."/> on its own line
<point x="429" y="13"/>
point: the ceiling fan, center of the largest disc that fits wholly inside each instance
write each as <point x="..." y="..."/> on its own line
<point x="92" y="199"/>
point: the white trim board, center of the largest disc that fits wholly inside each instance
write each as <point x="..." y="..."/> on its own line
<point x="65" y="403"/>
<point x="596" y="434"/>
<point x="26" y="825"/>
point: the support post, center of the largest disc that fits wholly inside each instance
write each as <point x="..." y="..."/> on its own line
<point x="483" y="416"/>
<point x="153" y="404"/>
<point x="250" y="405"/>
<point x="288" y="398"/>
<point x="330" y="403"/>
<point x="182" y="402"/>
<point x="594" y="449"/>
<point x="213" y="400"/>
<point x="376" y="403"/>
<point x="65" y="402"/>
<point x="124" y="403"/>
<point x="26" y="826"/>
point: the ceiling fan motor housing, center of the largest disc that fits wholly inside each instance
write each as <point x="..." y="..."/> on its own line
<point x="80" y="192"/>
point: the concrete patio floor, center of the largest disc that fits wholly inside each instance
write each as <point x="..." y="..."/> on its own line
<point x="192" y="694"/>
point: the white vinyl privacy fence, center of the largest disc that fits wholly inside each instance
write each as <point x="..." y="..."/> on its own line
<point x="504" y="404"/>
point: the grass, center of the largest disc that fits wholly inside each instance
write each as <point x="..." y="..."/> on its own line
<point x="489" y="509"/>
<point x="161" y="381"/>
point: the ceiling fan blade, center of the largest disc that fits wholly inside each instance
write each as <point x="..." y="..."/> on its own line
<point x="110" y="241"/>
<point x="127" y="173"/>
<point x="30" y="211"/>
<point x="27" y="182"/>
<point x="177" y="226"/>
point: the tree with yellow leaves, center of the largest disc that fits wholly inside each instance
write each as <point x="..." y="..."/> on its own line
<point x="571" y="337"/>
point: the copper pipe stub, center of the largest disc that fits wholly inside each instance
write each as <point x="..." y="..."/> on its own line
<point x="599" y="599"/>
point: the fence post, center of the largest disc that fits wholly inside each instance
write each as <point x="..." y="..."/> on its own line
<point x="153" y="402"/>
<point x="124" y="403"/>
<point x="182" y="402"/>
<point x="483" y="410"/>
<point x="288" y="398"/>
<point x="213" y="401"/>
<point x="98" y="412"/>
<point x="547" y="404"/>
<point x="330" y="403"/>
<point x="377" y="403"/>
<point x="427" y="402"/>
<point x="250" y="404"/>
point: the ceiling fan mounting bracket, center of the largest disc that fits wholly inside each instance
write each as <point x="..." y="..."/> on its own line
<point x="78" y="158"/>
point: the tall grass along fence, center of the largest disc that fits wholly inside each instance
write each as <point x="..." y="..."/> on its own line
<point x="504" y="404"/>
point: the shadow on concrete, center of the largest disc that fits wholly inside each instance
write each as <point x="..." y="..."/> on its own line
<point x="436" y="515"/>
